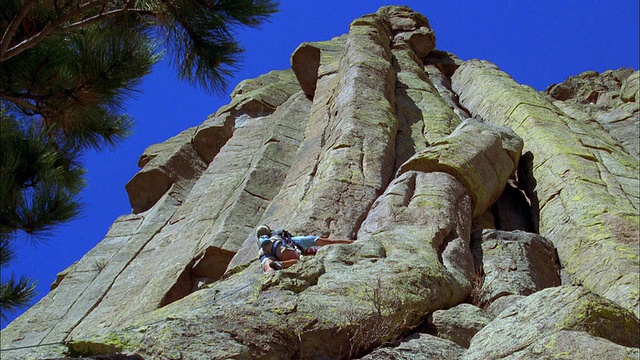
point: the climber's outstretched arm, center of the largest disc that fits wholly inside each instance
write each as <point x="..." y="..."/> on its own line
<point x="324" y="241"/>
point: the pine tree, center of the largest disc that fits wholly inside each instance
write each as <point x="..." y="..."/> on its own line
<point x="66" y="68"/>
<point x="13" y="293"/>
<point x="198" y="34"/>
<point x="38" y="187"/>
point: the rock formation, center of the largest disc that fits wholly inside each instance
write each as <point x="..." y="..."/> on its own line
<point x="490" y="220"/>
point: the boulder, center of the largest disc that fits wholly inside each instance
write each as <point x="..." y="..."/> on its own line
<point x="498" y="305"/>
<point x="576" y="345"/>
<point x="512" y="263"/>
<point x="409" y="27"/>
<point x="458" y="324"/>
<point x="418" y="347"/>
<point x="483" y="166"/>
<point x="553" y="323"/>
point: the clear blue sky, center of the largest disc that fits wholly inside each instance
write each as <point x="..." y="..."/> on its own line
<point x="537" y="42"/>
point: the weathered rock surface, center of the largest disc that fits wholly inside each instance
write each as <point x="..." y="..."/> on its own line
<point x="419" y="347"/>
<point x="459" y="324"/>
<point x="610" y="98"/>
<point x="583" y="184"/>
<point x="498" y="305"/>
<point x="553" y="323"/>
<point x="174" y="161"/>
<point x="512" y="263"/>
<point x="380" y="137"/>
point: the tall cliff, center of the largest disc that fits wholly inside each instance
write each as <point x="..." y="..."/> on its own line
<point x="490" y="219"/>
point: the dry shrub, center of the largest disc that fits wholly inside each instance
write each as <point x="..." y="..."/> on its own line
<point x="383" y="324"/>
<point x="475" y="296"/>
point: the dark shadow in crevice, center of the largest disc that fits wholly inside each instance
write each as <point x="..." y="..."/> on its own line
<point x="512" y="210"/>
<point x="204" y="270"/>
<point x="527" y="183"/>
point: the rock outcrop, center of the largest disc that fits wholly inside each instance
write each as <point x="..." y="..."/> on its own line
<point x="490" y="220"/>
<point x="583" y="185"/>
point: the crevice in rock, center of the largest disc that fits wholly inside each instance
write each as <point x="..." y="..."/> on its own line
<point x="257" y="195"/>
<point x="512" y="210"/>
<point x="527" y="183"/>
<point x="406" y="145"/>
<point x="441" y="81"/>
<point x="444" y="61"/>
<point x="595" y="147"/>
<point x="206" y="269"/>
<point x="212" y="264"/>
<point x="360" y="220"/>
<point x="509" y="115"/>
<point x="447" y="238"/>
<point x="181" y="288"/>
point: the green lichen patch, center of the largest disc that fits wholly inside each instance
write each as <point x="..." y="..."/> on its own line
<point x="111" y="343"/>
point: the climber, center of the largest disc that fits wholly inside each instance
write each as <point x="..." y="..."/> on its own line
<point x="280" y="250"/>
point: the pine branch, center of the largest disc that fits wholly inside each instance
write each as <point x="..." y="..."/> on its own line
<point x="15" y="294"/>
<point x="13" y="26"/>
<point x="49" y="29"/>
<point x="100" y="17"/>
<point x="6" y="253"/>
<point x="23" y="103"/>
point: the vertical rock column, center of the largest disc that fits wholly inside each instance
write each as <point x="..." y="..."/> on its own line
<point x="423" y="114"/>
<point x="586" y="205"/>
<point x="347" y="155"/>
<point x="315" y="66"/>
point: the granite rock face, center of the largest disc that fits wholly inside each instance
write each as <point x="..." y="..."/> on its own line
<point x="494" y="217"/>
<point x="564" y="317"/>
<point x="512" y="263"/>
<point x="583" y="186"/>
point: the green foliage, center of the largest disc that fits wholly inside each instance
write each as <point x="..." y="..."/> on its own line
<point x="38" y="182"/>
<point x="197" y="34"/>
<point x="75" y="85"/>
<point x="13" y="293"/>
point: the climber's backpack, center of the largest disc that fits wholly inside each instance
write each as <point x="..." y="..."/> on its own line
<point x="285" y="237"/>
<point x="284" y="234"/>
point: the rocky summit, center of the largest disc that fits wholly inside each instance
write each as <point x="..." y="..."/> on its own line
<point x="490" y="220"/>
